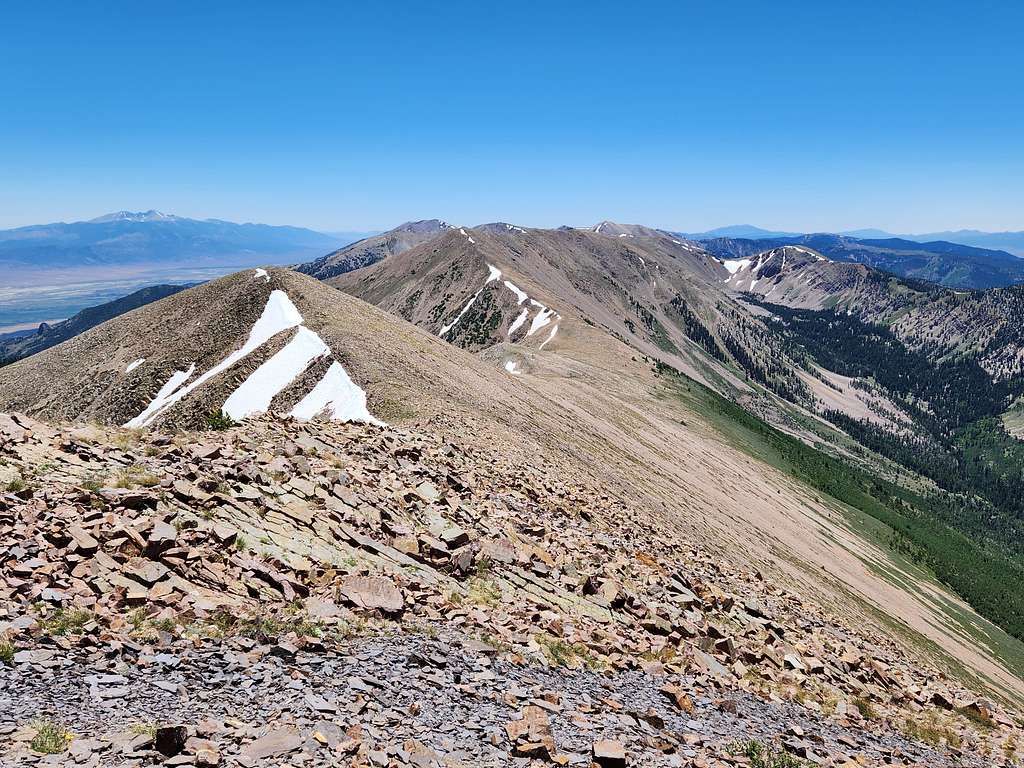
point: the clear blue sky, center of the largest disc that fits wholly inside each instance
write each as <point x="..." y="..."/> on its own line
<point x="796" y="115"/>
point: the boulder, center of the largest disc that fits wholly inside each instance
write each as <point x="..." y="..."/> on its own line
<point x="372" y="593"/>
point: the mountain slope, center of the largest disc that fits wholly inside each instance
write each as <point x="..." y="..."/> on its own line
<point x="254" y="340"/>
<point x="926" y="317"/>
<point x="949" y="264"/>
<point x="370" y="250"/>
<point x="602" y="287"/>
<point x="635" y="464"/>
<point x="127" y="238"/>
<point x="1012" y="242"/>
<point x="496" y="284"/>
<point x="738" y="230"/>
<point x="12" y="349"/>
<point x="286" y="586"/>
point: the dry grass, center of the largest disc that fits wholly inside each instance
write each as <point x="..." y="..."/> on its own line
<point x="136" y="476"/>
<point x="931" y="731"/>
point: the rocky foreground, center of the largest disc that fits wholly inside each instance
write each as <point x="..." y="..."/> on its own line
<point x="321" y="594"/>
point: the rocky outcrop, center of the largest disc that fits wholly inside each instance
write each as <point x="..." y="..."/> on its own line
<point x="315" y="592"/>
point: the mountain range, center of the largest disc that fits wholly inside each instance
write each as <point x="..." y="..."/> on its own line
<point x="155" y="238"/>
<point x="607" y="452"/>
<point x="1012" y="242"/>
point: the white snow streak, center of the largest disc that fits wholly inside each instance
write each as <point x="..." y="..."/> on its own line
<point x="542" y="318"/>
<point x="255" y="394"/>
<point x="464" y="234"/>
<point x="549" y="338"/>
<point x="494" y="274"/>
<point x="261" y="273"/>
<point x="338" y="393"/>
<point x="134" y="364"/>
<point x="257" y="391"/>
<point x="162" y="397"/>
<point x="518" y="322"/>
<point x="520" y="295"/>
<point x="278" y="315"/>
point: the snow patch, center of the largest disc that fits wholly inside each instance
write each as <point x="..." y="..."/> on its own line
<point x="518" y="322"/>
<point x="337" y="394"/>
<point x="257" y="391"/>
<point x="466" y="235"/>
<point x="512" y="367"/>
<point x="735" y="265"/>
<point x="542" y="318"/>
<point x="520" y="295"/>
<point x="278" y="315"/>
<point x="134" y="364"/>
<point x="163" y="397"/>
<point x="261" y="273"/>
<point x="255" y="394"/>
<point x="548" y="339"/>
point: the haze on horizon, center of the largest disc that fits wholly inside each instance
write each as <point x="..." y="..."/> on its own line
<point x="793" y="116"/>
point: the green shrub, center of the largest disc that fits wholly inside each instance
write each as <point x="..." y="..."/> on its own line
<point x="65" y="621"/>
<point x="765" y="756"/>
<point x="16" y="485"/>
<point x="864" y="707"/>
<point x="50" y="738"/>
<point x="6" y="651"/>
<point x="219" y="421"/>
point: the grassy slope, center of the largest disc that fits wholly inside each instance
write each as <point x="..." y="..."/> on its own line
<point x="883" y="513"/>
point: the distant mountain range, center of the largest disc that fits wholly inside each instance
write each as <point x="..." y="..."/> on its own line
<point x="1012" y="242"/>
<point x="950" y="264"/>
<point x="737" y="230"/>
<point x="154" y="238"/>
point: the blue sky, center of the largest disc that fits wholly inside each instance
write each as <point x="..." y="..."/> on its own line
<point x="794" y="115"/>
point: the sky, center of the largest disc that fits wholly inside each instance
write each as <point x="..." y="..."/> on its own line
<point x="809" y="116"/>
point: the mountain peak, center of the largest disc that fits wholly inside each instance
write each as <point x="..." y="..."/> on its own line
<point x="423" y="226"/>
<point x="615" y="229"/>
<point x="150" y="215"/>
